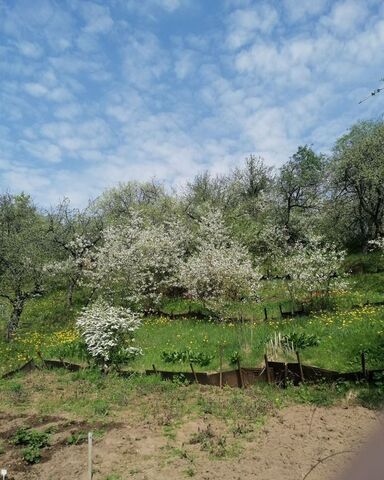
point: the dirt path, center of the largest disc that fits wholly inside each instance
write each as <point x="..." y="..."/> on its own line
<point x="285" y="448"/>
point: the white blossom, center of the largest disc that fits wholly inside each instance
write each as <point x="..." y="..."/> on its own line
<point x="314" y="268"/>
<point x="80" y="258"/>
<point x="108" y="331"/>
<point x="378" y="243"/>
<point x="220" y="269"/>
<point x="139" y="263"/>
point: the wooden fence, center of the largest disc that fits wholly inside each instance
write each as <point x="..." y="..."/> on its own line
<point x="278" y="373"/>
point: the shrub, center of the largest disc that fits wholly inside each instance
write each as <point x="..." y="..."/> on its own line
<point x="315" y="268"/>
<point x="182" y="356"/>
<point x="300" y="340"/>
<point x="235" y="358"/>
<point x="108" y="333"/>
<point x="33" y="440"/>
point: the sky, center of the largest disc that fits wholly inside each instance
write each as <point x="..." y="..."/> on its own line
<point x="93" y="93"/>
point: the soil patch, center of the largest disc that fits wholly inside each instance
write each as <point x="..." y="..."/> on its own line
<point x="286" y="447"/>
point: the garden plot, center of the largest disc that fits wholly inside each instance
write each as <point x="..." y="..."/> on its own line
<point x="287" y="446"/>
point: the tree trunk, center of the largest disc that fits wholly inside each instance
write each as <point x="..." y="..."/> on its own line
<point x="13" y="323"/>
<point x="71" y="288"/>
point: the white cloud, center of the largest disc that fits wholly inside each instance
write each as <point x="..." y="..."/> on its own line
<point x="345" y="16"/>
<point x="36" y="89"/>
<point x="185" y="63"/>
<point x="43" y="151"/>
<point x="98" y="17"/>
<point x="245" y="24"/>
<point x="144" y="60"/>
<point x="300" y="10"/>
<point x="58" y="94"/>
<point x="68" y="111"/>
<point x="30" y="49"/>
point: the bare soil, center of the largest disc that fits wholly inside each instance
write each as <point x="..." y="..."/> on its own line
<point x="287" y="446"/>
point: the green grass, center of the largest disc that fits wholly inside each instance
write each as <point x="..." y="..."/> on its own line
<point x="47" y="325"/>
<point x="342" y="335"/>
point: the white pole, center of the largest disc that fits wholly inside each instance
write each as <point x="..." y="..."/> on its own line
<point x="89" y="455"/>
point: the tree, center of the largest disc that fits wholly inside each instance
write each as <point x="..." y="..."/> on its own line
<point x="300" y="184"/>
<point x="357" y="178"/>
<point x="138" y="263"/>
<point x="314" y="268"/>
<point x="207" y="191"/>
<point x="254" y="178"/>
<point x="220" y="270"/>
<point x="22" y="254"/>
<point x="116" y="205"/>
<point x="74" y="234"/>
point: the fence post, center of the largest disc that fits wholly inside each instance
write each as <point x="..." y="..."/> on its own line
<point x="221" y="365"/>
<point x="363" y="365"/>
<point x="267" y="368"/>
<point x="90" y="456"/>
<point x="265" y="314"/>
<point x="193" y="371"/>
<point x="300" y="367"/>
<point x="240" y="374"/>
<point x="285" y="375"/>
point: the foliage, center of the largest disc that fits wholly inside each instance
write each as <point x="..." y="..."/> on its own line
<point x="315" y="268"/>
<point x="357" y="179"/>
<point x="300" y="185"/>
<point x="220" y="269"/>
<point x="108" y="332"/>
<point x="282" y="344"/>
<point x="138" y="263"/>
<point x="235" y="358"/>
<point x="300" y="340"/>
<point x="21" y="255"/>
<point x="33" y="440"/>
<point x="73" y="235"/>
<point x="183" y="356"/>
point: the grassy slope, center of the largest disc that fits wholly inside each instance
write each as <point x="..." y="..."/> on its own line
<point x="47" y="325"/>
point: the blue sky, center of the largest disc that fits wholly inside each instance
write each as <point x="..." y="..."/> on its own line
<point x="99" y="92"/>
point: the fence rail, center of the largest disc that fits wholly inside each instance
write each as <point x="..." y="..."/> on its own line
<point x="278" y="373"/>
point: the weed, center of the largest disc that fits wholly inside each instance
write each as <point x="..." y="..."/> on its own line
<point x="76" y="438"/>
<point x="201" y="359"/>
<point x="241" y="429"/>
<point x="190" y="472"/>
<point x="101" y="407"/>
<point x="202" y="436"/>
<point x="210" y="442"/>
<point x="133" y="471"/>
<point x="235" y="358"/>
<point x="33" y="440"/>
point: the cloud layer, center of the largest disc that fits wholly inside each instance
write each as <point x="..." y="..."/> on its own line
<point x="93" y="93"/>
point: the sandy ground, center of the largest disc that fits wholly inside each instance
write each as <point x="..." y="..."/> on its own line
<point x="286" y="447"/>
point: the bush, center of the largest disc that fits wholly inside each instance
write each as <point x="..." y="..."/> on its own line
<point x="33" y="440"/>
<point x="183" y="356"/>
<point x="300" y="340"/>
<point x="108" y="333"/>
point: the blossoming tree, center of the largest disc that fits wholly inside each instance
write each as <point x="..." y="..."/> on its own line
<point x="138" y="263"/>
<point x="220" y="269"/>
<point x="314" y="268"/>
<point x="74" y="235"/>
